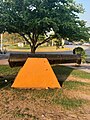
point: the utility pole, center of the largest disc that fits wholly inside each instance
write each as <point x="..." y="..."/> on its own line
<point x="1" y="43"/>
<point x="1" y="47"/>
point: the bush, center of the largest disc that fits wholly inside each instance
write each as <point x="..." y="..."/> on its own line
<point x="81" y="51"/>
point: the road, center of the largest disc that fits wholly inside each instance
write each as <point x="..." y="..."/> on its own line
<point x="86" y="48"/>
<point x="85" y="67"/>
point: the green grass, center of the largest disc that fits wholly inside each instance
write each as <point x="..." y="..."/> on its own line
<point x="69" y="103"/>
<point x="7" y="73"/>
<point x="74" y="85"/>
<point x="62" y="72"/>
<point x="50" y="96"/>
<point x="16" y="47"/>
<point x="38" y="94"/>
<point x="81" y="74"/>
<point x="53" y="96"/>
<point x="66" y="71"/>
<point x="24" y="115"/>
<point x="7" y="70"/>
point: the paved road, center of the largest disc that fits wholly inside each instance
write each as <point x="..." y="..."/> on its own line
<point x="4" y="56"/>
<point x="86" y="48"/>
<point x="85" y="67"/>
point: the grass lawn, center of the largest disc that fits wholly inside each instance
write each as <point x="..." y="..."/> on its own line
<point x="66" y="71"/>
<point x="50" y="104"/>
<point x="39" y="49"/>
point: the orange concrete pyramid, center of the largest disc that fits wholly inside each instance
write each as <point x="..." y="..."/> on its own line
<point x="36" y="73"/>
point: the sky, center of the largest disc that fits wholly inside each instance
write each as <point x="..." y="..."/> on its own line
<point x="86" y="15"/>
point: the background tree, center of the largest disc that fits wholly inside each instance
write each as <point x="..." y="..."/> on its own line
<point x="34" y="18"/>
<point x="12" y="38"/>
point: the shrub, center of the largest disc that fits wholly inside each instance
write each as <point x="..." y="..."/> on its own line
<point x="81" y="51"/>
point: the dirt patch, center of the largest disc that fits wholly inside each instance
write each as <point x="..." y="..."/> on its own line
<point x="77" y="94"/>
<point x="27" y="105"/>
<point x="4" y="62"/>
<point x="82" y="92"/>
<point x="14" y="107"/>
<point x="72" y="78"/>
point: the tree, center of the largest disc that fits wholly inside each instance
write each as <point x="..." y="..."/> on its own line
<point x="34" y="18"/>
<point x="12" y="38"/>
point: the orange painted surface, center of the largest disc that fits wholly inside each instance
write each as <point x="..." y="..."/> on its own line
<point x="36" y="73"/>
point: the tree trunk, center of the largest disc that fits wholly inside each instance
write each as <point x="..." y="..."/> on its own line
<point x="33" y="48"/>
<point x="62" y="42"/>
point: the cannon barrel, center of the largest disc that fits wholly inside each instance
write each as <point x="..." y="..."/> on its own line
<point x="19" y="59"/>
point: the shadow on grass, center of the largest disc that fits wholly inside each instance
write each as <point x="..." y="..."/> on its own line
<point x="62" y="72"/>
<point x="7" y="75"/>
<point x="6" y="80"/>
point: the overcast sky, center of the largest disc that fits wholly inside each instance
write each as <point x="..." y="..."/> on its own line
<point x="86" y="15"/>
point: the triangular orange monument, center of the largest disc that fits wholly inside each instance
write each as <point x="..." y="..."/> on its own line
<point x="36" y="73"/>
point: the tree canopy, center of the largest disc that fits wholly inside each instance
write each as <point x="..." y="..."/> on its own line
<point x="34" y="18"/>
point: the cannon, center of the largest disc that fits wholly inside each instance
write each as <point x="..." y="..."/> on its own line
<point x="17" y="59"/>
